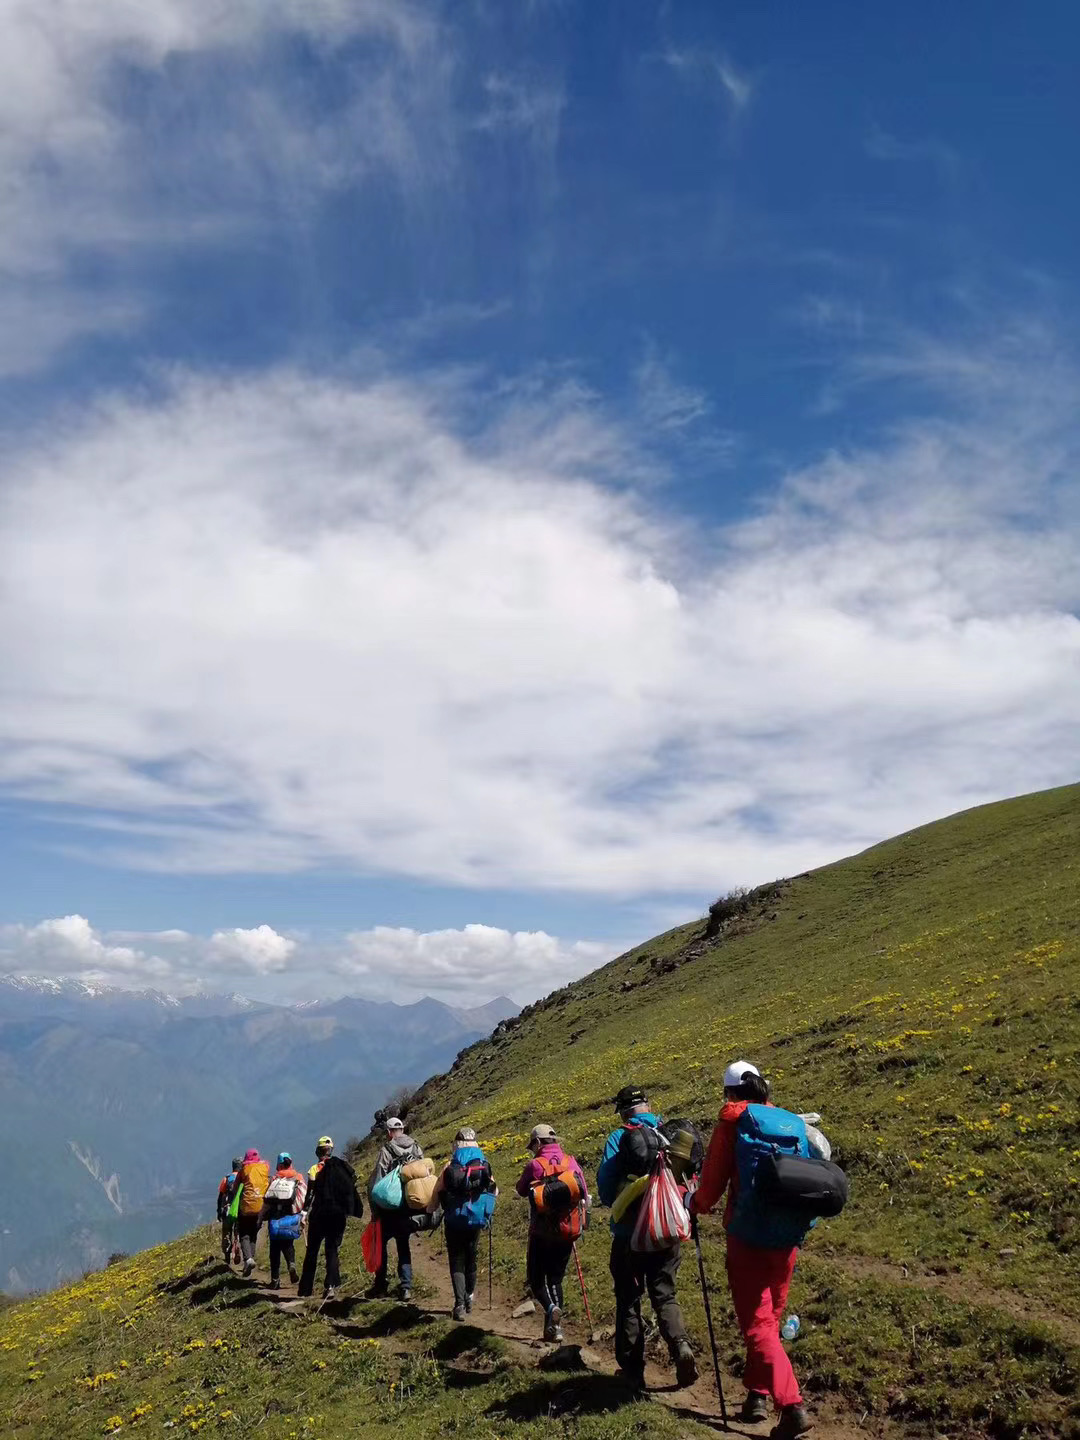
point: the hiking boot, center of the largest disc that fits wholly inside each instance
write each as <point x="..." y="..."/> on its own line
<point x="294" y="1275"/>
<point x="685" y="1365"/>
<point x="330" y="1293"/>
<point x="755" y="1408"/>
<point x="249" y="1266"/>
<point x="551" y="1323"/>
<point x="793" y="1421"/>
<point x="405" y="1293"/>
<point x="469" y="1300"/>
<point x="459" y="1312"/>
<point x="275" y="1284"/>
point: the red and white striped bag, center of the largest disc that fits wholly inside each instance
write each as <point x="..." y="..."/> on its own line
<point x="662" y="1218"/>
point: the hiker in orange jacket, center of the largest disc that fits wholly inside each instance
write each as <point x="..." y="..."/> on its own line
<point x="252" y="1180"/>
<point x="759" y="1278"/>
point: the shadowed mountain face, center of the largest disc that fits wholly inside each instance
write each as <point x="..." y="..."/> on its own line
<point x="121" y="1110"/>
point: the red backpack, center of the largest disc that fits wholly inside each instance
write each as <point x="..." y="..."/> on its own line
<point x="558" y="1200"/>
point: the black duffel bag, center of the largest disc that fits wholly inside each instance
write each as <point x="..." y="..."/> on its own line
<point x="814" y="1187"/>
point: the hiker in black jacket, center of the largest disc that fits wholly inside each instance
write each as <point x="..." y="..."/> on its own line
<point x="333" y="1199"/>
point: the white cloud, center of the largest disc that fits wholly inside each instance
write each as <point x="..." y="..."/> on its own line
<point x="713" y="67"/>
<point x="289" y="621"/>
<point x="478" y="960"/>
<point x="467" y="966"/>
<point x="261" y="950"/>
<point x="129" y="125"/>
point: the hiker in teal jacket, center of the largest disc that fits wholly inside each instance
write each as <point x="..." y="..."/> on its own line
<point x="634" y="1272"/>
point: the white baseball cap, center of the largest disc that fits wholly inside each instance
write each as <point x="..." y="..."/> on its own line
<point x="393" y="1123"/>
<point x="737" y="1072"/>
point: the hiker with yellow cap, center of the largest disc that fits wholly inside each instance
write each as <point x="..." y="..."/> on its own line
<point x="554" y="1185"/>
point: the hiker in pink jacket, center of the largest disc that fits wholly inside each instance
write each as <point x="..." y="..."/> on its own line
<point x="551" y="1237"/>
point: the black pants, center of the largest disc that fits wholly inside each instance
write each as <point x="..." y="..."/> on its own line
<point x="633" y="1274"/>
<point x="247" y="1227"/>
<point x="324" y="1228"/>
<point x="396" y="1227"/>
<point x="227" y="1236"/>
<point x="545" y="1265"/>
<point x="461" y="1245"/>
<point x="281" y="1245"/>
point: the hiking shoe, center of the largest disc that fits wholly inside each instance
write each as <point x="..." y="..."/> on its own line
<point x="294" y="1276"/>
<point x="275" y="1284"/>
<point x="685" y="1365"/>
<point x="793" y="1421"/>
<point x="469" y="1300"/>
<point x="459" y="1312"/>
<point x="249" y="1266"/>
<point x="405" y="1293"/>
<point x="330" y="1293"/>
<point x="755" y="1408"/>
<point x="551" y="1323"/>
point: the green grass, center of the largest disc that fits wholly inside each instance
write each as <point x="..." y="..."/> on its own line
<point x="171" y="1342"/>
<point x="923" y="997"/>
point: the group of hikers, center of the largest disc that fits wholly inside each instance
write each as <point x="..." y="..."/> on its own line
<point x="656" y="1177"/>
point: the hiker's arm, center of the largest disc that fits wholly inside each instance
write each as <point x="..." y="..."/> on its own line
<point x="607" y="1177"/>
<point x="716" y="1172"/>
<point x="525" y="1181"/>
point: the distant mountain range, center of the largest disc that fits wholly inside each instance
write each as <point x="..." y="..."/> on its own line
<point x="120" y="1109"/>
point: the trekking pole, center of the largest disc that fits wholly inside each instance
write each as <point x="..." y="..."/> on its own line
<point x="584" y="1293"/>
<point x="491" y="1301"/>
<point x="708" y="1322"/>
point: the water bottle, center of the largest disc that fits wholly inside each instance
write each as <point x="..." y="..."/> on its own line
<point x="790" y="1327"/>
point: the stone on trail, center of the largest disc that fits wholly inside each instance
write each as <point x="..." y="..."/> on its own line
<point x="527" y="1307"/>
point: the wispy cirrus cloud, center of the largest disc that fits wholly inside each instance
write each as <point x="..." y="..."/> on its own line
<point x="711" y="67"/>
<point x="134" y="130"/>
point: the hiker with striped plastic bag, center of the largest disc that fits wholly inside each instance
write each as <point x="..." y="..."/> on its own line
<point x="626" y="1172"/>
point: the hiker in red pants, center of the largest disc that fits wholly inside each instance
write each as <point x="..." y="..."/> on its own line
<point x="759" y="1274"/>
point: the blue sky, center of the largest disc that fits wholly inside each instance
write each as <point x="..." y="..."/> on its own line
<point x="482" y="479"/>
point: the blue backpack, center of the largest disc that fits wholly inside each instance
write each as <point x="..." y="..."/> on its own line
<point x="468" y="1191"/>
<point x="766" y="1133"/>
<point x="286" y="1227"/>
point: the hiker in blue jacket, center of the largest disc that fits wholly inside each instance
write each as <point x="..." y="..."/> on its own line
<point x="466" y="1191"/>
<point x="634" y="1272"/>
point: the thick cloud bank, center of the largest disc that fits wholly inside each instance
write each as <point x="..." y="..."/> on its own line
<point x="288" y="622"/>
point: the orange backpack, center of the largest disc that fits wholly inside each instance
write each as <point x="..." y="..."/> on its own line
<point x="558" y="1200"/>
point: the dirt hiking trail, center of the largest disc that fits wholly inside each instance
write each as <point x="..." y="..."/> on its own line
<point x="579" y="1351"/>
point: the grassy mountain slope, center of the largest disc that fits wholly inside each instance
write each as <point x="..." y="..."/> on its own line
<point x="923" y="996"/>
